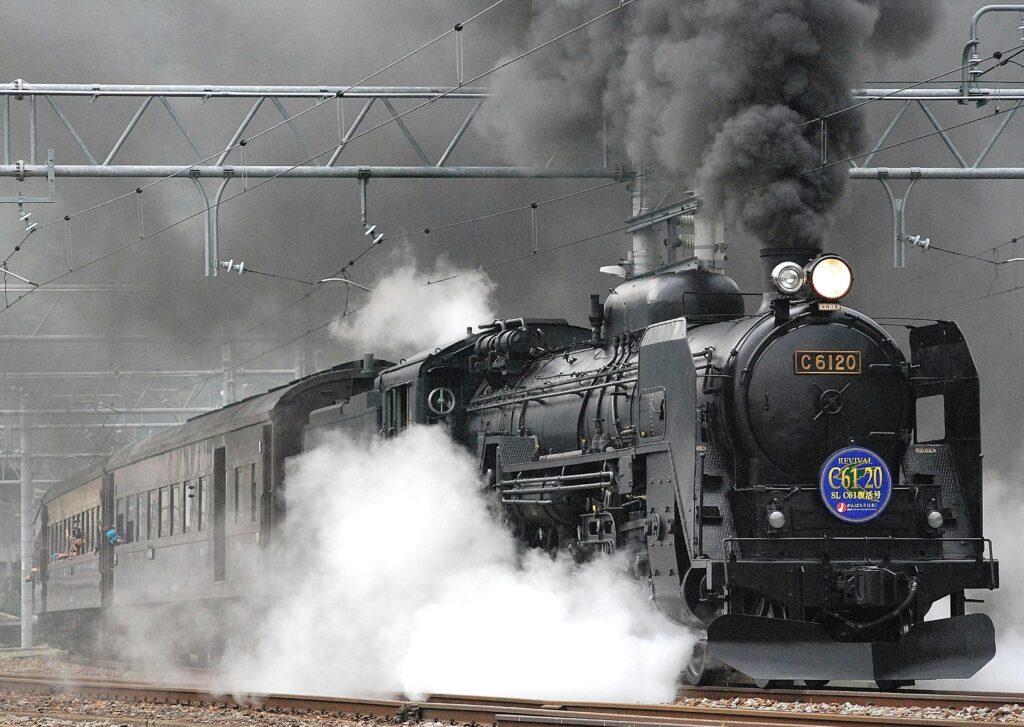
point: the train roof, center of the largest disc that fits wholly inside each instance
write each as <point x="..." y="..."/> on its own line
<point x="65" y="486"/>
<point x="254" y="409"/>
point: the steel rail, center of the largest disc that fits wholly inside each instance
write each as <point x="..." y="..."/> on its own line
<point x="528" y="713"/>
<point x="951" y="699"/>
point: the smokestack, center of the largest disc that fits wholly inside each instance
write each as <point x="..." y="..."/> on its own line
<point x="646" y="251"/>
<point x="709" y="238"/>
<point x="596" y="318"/>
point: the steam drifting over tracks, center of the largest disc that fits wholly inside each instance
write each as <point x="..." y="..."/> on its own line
<point x="99" y="701"/>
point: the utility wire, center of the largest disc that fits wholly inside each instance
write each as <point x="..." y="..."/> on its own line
<point x="511" y="210"/>
<point x="547" y="250"/>
<point x="362" y="253"/>
<point x="995" y="56"/>
<point x="347" y="313"/>
<point x="893" y="145"/>
<point x="622" y="4"/>
<point x="500" y="66"/>
<point x="964" y="254"/>
<point x="623" y="228"/>
<point x="975" y="300"/>
<point x="299" y="337"/>
<point x="275" y="275"/>
<point x="287" y="120"/>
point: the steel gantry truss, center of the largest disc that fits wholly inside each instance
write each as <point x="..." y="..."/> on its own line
<point x="226" y="159"/>
<point x="77" y="416"/>
<point x="922" y="98"/>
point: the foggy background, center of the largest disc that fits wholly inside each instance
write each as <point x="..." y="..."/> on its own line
<point x="310" y="229"/>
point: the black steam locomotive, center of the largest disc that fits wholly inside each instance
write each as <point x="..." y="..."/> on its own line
<point x="762" y="472"/>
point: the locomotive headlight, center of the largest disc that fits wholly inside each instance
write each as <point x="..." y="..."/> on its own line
<point x="777" y="519"/>
<point x="830" y="276"/>
<point x="935" y="519"/>
<point x="788" y="277"/>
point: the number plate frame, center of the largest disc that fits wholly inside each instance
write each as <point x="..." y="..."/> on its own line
<point x="842" y="363"/>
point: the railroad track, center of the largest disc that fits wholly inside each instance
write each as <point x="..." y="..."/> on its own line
<point x="503" y="712"/>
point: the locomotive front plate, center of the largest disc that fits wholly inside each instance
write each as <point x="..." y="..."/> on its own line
<point x="826" y="362"/>
<point x="855" y="484"/>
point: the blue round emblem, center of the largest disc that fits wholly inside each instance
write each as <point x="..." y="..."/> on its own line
<point x="855" y="484"/>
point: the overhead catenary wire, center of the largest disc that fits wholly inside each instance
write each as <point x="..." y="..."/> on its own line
<point x="241" y="143"/>
<point x="623" y="228"/>
<point x="894" y="145"/>
<point x="975" y="300"/>
<point x="600" y="234"/>
<point x="396" y="117"/>
<point x="963" y="254"/>
<point x="996" y="55"/>
<point x="343" y="270"/>
<point x="510" y="210"/>
<point x="428" y="282"/>
<point x="622" y="4"/>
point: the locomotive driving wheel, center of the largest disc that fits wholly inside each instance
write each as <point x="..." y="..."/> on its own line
<point x="702" y="669"/>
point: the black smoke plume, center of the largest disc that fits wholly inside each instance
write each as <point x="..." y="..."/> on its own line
<point x="723" y="94"/>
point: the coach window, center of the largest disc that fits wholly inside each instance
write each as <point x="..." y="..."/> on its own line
<point x="186" y="507"/>
<point x="200" y="503"/>
<point x="154" y="514"/>
<point x="254" y="495"/>
<point x="129" y="528"/>
<point x="165" y="509"/>
<point x="119" y="519"/>
<point x="189" y="505"/>
<point x="177" y="504"/>
<point x="237" y="494"/>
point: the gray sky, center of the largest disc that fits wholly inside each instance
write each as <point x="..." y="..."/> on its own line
<point x="309" y="229"/>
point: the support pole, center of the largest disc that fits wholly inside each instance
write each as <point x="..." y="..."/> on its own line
<point x="27" y="588"/>
<point x="228" y="392"/>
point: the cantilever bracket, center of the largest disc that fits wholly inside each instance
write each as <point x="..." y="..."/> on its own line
<point x="899" y="215"/>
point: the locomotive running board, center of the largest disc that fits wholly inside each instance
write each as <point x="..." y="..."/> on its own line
<point x="765" y="648"/>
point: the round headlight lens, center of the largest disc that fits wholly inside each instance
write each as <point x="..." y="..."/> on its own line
<point x="831" y="277"/>
<point x="788" y="277"/>
<point x="776" y="519"/>
<point x="935" y="519"/>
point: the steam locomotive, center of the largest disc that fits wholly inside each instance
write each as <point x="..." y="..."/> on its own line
<point x="762" y="472"/>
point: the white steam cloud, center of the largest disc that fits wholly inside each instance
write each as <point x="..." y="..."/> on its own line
<point x="1004" y="514"/>
<point x="405" y="313"/>
<point x="400" y="580"/>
